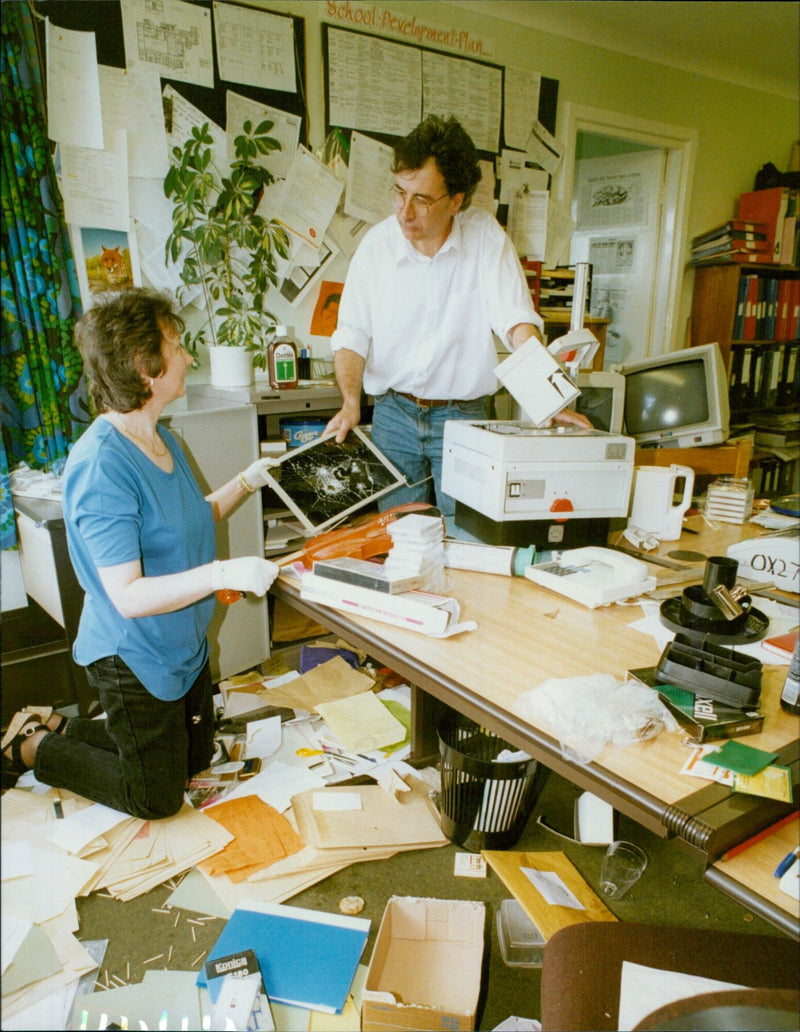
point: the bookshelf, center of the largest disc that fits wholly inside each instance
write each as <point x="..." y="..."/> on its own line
<point x="751" y="310"/>
<point x="720" y="306"/>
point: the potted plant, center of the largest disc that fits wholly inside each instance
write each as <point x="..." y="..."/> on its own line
<point x="230" y="249"/>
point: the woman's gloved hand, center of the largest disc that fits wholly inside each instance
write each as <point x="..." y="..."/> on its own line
<point x="247" y="573"/>
<point x="254" y="477"/>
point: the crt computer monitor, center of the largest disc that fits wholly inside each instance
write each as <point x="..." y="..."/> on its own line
<point x="678" y="400"/>
<point x="602" y="399"/>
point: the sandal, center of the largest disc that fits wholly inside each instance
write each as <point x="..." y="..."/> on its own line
<point x="22" y="726"/>
<point x="44" y="713"/>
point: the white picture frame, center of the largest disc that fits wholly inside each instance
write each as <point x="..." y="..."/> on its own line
<point x="323" y="483"/>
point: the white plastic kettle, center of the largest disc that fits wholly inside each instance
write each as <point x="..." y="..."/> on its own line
<point x="654" y="510"/>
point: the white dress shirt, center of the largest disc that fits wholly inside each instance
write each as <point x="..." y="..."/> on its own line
<point x="424" y="325"/>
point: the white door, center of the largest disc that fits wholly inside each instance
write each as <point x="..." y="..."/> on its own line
<point x="616" y="206"/>
<point x="669" y="292"/>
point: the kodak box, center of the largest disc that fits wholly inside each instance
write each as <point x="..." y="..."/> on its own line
<point x="425" y="971"/>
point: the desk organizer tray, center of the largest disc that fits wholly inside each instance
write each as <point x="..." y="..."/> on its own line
<point x="711" y="672"/>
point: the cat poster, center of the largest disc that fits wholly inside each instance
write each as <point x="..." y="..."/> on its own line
<point x="106" y="261"/>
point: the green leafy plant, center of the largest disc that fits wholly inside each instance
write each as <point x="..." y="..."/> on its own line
<point x="231" y="252"/>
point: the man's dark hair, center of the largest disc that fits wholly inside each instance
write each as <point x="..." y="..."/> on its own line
<point x="451" y="147"/>
<point x="120" y="342"/>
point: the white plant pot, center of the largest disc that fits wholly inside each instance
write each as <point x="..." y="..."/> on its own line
<point x="230" y="367"/>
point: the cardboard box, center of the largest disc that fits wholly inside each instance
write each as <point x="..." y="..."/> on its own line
<point x="415" y="610"/>
<point x="425" y="971"/>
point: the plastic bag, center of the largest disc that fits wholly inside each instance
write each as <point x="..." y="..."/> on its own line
<point x="587" y="713"/>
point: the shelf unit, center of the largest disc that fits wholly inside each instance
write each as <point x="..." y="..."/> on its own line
<point x="715" y="301"/>
<point x="762" y="357"/>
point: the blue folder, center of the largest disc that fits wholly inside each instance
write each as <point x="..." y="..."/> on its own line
<point x="308" y="958"/>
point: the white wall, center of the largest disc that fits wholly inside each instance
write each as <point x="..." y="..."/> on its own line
<point x="739" y="129"/>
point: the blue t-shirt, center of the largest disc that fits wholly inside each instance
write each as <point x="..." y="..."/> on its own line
<point x="118" y="507"/>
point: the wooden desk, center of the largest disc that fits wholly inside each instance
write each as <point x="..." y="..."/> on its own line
<point x="527" y="634"/>
<point x="750" y="879"/>
<point x="715" y="460"/>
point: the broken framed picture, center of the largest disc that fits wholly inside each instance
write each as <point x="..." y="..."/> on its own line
<point x="324" y="482"/>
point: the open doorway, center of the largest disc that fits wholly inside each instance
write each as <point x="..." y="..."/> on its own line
<point x="627" y="182"/>
<point x="616" y="208"/>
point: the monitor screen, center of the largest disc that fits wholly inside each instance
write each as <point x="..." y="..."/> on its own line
<point x="679" y="399"/>
<point x="666" y="398"/>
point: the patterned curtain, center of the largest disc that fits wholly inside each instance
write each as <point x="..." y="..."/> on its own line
<point x="43" y="399"/>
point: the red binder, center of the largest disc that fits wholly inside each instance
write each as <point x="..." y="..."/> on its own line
<point x="767" y="206"/>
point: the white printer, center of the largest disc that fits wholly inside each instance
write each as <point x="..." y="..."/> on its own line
<point x="518" y="484"/>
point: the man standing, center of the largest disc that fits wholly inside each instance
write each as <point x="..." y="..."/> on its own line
<point x="423" y="294"/>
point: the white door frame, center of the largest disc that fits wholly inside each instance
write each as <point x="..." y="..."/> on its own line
<point x="680" y="143"/>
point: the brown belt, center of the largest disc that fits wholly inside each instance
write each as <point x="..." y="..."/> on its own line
<point x="426" y="402"/>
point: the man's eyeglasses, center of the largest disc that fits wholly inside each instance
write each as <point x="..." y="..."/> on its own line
<point x="419" y="205"/>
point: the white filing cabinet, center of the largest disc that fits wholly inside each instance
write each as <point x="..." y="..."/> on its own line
<point x="220" y="439"/>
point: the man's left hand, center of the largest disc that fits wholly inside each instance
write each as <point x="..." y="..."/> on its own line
<point x="570" y="418"/>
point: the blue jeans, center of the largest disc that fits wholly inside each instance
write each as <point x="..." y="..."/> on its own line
<point x="140" y="758"/>
<point x="411" y="438"/>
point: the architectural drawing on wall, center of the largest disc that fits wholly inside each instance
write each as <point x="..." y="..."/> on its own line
<point x="174" y="38"/>
<point x="324" y="482"/>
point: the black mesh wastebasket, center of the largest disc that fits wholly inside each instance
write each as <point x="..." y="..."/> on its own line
<point x="485" y="803"/>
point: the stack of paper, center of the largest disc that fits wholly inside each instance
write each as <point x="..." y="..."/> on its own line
<point x="159" y="850"/>
<point x="41" y="955"/>
<point x="366" y="815"/>
<point x="417" y="550"/>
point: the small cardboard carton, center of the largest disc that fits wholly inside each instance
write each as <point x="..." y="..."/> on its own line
<point x="425" y="971"/>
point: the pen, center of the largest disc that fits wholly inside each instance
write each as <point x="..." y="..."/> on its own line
<point x="342" y="754"/>
<point x="58" y="809"/>
<point x="735" y="850"/>
<point x="787" y="862"/>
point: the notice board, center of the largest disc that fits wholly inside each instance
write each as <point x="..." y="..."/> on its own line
<point x="104" y="18"/>
<point x="385" y="88"/>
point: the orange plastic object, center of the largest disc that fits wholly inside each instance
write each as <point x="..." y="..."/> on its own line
<point x="362" y="539"/>
<point x="561" y="505"/>
<point x="228" y="596"/>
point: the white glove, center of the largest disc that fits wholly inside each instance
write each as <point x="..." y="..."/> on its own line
<point x="248" y="573"/>
<point x="254" y="476"/>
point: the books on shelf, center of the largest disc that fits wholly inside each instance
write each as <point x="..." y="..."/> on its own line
<point x="733" y="229"/>
<point x="737" y="255"/>
<point x="764" y="378"/>
<point x="733" y="241"/>
<point x="771" y="206"/>
<point x="767" y="308"/>
<point x="552" y="289"/>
